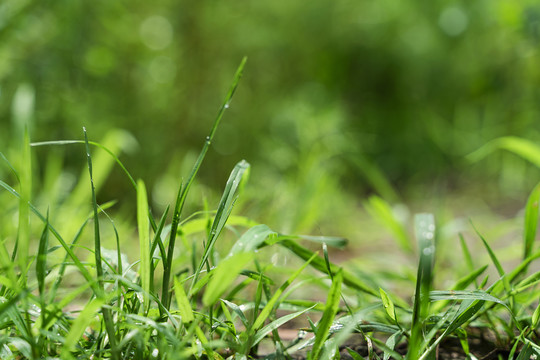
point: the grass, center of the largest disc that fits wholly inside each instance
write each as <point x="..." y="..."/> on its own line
<point x="77" y="299"/>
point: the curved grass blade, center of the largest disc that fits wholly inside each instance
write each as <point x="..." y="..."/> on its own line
<point x="526" y="149"/>
<point x="41" y="260"/>
<point x="320" y="264"/>
<point x="183" y="190"/>
<point x="259" y="335"/>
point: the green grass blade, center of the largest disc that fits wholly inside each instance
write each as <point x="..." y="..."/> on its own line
<point x="259" y="335"/>
<point x="224" y="209"/>
<point x="531" y="221"/>
<point x="93" y="143"/>
<point x="107" y="317"/>
<point x="144" y="241"/>
<point x="320" y="264"/>
<point x="388" y="305"/>
<point x="381" y="210"/>
<point x="182" y="301"/>
<point x="78" y="327"/>
<point x="329" y="314"/>
<point x="425" y="233"/>
<point x="183" y="190"/>
<point x="57" y="235"/>
<point x="41" y="260"/>
<point x="265" y="312"/>
<point x="224" y="275"/>
<point x="526" y="149"/>
<point x="23" y="237"/>
<point x="495" y="261"/>
<point x="252" y="239"/>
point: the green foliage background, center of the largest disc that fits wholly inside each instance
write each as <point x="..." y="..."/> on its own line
<point x="356" y="89"/>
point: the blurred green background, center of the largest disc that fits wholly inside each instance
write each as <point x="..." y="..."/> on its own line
<point x="339" y="99"/>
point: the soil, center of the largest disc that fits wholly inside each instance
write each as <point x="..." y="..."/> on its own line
<point x="481" y="342"/>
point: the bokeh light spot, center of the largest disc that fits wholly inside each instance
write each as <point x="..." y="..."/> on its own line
<point x="453" y="21"/>
<point x="156" y="32"/>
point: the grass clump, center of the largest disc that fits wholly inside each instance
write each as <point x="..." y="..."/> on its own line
<point x="216" y="304"/>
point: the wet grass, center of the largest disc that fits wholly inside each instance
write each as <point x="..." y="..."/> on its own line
<point x="185" y="297"/>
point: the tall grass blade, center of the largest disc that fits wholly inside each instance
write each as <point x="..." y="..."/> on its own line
<point x="23" y="237"/>
<point x="183" y="190"/>
<point x="425" y="233"/>
<point x="329" y="314"/>
<point x="107" y="316"/>
<point x="144" y="242"/>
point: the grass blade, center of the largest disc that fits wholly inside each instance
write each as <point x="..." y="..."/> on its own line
<point x="259" y="335"/>
<point x="223" y="276"/>
<point x="381" y="210"/>
<point x="182" y="301"/>
<point x="144" y="242"/>
<point x="531" y="221"/>
<point x="107" y="317"/>
<point x="23" y="237"/>
<point x="265" y="312"/>
<point x="425" y="233"/>
<point x="252" y="239"/>
<point x="329" y="314"/>
<point x="41" y="260"/>
<point x="526" y="149"/>
<point x="183" y="190"/>
<point x="224" y="209"/>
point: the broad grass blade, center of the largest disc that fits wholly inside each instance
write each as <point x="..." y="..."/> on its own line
<point x="252" y="239"/>
<point x="329" y="314"/>
<point x="80" y="324"/>
<point x="144" y="241"/>
<point x="223" y="276"/>
<point x="182" y="301"/>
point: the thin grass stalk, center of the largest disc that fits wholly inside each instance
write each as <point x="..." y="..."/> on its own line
<point x="107" y="316"/>
<point x="183" y="190"/>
